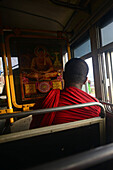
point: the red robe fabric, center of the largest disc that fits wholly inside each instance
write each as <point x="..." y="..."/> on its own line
<point x="68" y="96"/>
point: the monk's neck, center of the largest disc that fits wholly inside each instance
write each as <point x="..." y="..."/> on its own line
<point x="79" y="86"/>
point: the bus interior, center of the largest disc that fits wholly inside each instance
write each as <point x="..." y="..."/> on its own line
<point x="63" y="29"/>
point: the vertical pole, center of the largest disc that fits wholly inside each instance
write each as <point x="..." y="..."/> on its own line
<point x="11" y="74"/>
<point x="69" y="51"/>
<point x="6" y="73"/>
<point x="104" y="74"/>
<point x="109" y="71"/>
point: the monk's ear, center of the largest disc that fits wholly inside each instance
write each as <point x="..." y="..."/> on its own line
<point x="85" y="80"/>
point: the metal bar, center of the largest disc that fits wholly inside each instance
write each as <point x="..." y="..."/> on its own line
<point x="112" y="62"/>
<point x="10" y="109"/>
<point x="108" y="106"/>
<point x="69" y="51"/>
<point x="106" y="47"/>
<point x="80" y="161"/>
<point x="11" y="74"/>
<point x="43" y="111"/>
<point x="110" y="77"/>
<point x="105" y="76"/>
<point x="101" y="75"/>
<point x="112" y="71"/>
<point x="106" y="103"/>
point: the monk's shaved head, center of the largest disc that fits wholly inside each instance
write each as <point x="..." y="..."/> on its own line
<point x="76" y="71"/>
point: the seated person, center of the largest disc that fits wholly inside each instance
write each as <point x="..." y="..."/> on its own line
<point x="41" y="62"/>
<point x="75" y="76"/>
<point x="41" y="65"/>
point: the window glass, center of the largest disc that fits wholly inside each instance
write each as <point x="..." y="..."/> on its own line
<point x="83" y="49"/>
<point x="14" y="61"/>
<point x="89" y="86"/>
<point x="2" y="82"/>
<point x="1" y="65"/>
<point x="107" y="34"/>
<point x="65" y="60"/>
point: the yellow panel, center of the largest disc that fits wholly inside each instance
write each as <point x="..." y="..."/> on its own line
<point x="57" y="85"/>
<point x="30" y="89"/>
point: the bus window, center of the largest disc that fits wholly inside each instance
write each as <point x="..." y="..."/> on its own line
<point x="106" y="72"/>
<point x="14" y="61"/>
<point x="107" y="34"/>
<point x="65" y="60"/>
<point x="83" y="49"/>
<point x="15" y="64"/>
<point x="89" y="86"/>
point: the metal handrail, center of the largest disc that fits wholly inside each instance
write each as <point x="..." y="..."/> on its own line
<point x="106" y="103"/>
<point x="81" y="161"/>
<point x="108" y="106"/>
<point x="47" y="110"/>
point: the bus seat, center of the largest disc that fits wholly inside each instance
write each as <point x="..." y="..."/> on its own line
<point x="53" y="142"/>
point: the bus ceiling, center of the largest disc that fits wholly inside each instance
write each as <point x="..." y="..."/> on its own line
<point x="57" y="15"/>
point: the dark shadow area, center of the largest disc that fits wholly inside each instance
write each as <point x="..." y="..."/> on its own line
<point x="37" y="150"/>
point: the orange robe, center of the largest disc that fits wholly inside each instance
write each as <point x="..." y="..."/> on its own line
<point x="68" y="96"/>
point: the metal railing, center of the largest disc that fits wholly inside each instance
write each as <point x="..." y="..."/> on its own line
<point x="105" y="59"/>
<point x="47" y="110"/>
<point x="107" y="106"/>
